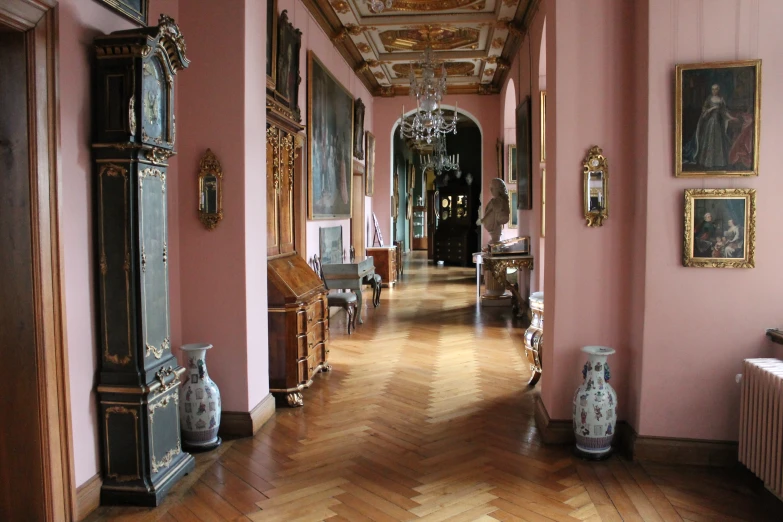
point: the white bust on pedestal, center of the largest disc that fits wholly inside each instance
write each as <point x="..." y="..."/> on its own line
<point x="496" y="214"/>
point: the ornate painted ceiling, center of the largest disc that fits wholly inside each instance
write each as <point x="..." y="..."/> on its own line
<point x="474" y="38"/>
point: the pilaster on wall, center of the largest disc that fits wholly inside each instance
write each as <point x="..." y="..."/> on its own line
<point x="587" y="278"/>
<point x="223" y="282"/>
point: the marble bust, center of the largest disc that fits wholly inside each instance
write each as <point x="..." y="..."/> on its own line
<point x="497" y="211"/>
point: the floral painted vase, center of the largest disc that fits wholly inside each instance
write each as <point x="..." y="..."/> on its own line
<point x="199" y="402"/>
<point x="595" y="406"/>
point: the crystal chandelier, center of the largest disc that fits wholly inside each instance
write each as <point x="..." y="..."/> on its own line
<point x="439" y="161"/>
<point x="376" y="6"/>
<point x="428" y="122"/>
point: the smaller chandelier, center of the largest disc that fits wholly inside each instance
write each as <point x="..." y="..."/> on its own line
<point x="376" y="6"/>
<point x="439" y="161"/>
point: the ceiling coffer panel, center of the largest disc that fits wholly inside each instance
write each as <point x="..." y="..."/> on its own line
<point x="473" y="38"/>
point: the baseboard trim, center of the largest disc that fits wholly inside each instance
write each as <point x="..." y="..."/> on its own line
<point x="88" y="497"/>
<point x="693" y="452"/>
<point x="235" y="424"/>
<point x="661" y="450"/>
<point x="552" y="431"/>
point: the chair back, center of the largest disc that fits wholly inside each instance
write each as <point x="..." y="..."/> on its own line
<point x="315" y="263"/>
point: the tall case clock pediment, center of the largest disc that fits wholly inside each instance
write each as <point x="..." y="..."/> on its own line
<point x="138" y="386"/>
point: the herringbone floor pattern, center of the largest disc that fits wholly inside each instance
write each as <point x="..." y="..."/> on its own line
<point x="426" y="416"/>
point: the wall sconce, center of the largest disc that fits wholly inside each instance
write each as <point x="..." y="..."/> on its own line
<point x="596" y="180"/>
<point x="210" y="191"/>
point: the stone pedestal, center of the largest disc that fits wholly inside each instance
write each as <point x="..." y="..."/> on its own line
<point x="494" y="291"/>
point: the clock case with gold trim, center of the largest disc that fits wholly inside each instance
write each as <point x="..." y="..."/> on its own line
<point x="138" y="383"/>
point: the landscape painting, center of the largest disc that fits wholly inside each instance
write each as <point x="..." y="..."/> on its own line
<point x="512" y="164"/>
<point x="717" y="118"/>
<point x="513" y="220"/>
<point x="369" y="180"/>
<point x="720" y="228"/>
<point x="330" y="245"/>
<point x="330" y="143"/>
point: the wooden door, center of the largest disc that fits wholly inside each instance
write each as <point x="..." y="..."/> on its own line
<point x="20" y="445"/>
<point x="35" y="448"/>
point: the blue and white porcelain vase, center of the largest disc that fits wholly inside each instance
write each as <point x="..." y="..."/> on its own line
<point x="199" y="402"/>
<point x="595" y="406"/>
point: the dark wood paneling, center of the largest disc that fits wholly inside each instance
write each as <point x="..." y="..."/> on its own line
<point x="20" y="442"/>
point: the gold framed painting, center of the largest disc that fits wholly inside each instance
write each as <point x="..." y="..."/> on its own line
<point x="543" y="127"/>
<point x="720" y="228"/>
<point x="513" y="219"/>
<point x="512" y="164"/>
<point x="330" y="142"/>
<point x="717" y="119"/>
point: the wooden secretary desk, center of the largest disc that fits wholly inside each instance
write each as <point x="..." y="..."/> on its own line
<point x="298" y="307"/>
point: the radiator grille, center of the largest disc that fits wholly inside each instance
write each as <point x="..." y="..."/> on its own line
<point x="761" y="421"/>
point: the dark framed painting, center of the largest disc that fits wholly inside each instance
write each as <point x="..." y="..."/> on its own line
<point x="512" y="164"/>
<point x="720" y="228"/>
<point x="524" y="159"/>
<point x="287" y="78"/>
<point x="500" y="159"/>
<point x="358" y="129"/>
<point x="513" y="219"/>
<point x="330" y="245"/>
<point x="136" y="10"/>
<point x="717" y="119"/>
<point x="271" y="43"/>
<point x="330" y="143"/>
<point x="369" y="180"/>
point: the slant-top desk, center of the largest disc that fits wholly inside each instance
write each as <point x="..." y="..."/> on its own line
<point x="350" y="276"/>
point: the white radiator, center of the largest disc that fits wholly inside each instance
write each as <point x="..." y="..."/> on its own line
<point x="761" y="421"/>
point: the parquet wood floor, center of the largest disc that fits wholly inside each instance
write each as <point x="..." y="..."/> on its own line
<point x="426" y="416"/>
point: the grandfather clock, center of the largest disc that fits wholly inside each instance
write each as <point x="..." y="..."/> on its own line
<point x="133" y="138"/>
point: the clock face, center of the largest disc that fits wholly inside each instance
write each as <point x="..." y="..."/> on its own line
<point x="153" y="102"/>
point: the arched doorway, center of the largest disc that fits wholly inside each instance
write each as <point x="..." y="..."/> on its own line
<point x="415" y="216"/>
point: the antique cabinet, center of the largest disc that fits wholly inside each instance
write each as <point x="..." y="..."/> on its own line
<point x="133" y="137"/>
<point x="456" y="236"/>
<point x="298" y="308"/>
<point x="385" y="259"/>
<point x="298" y="327"/>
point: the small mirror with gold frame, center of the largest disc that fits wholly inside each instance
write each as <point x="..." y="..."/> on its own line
<point x="210" y="190"/>
<point x="596" y="187"/>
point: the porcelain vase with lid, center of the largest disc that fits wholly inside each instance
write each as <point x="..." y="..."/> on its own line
<point x="595" y="406"/>
<point x="199" y="402"/>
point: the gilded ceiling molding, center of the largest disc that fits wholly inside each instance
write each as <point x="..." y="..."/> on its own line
<point x="362" y="67"/>
<point x="339" y="36"/>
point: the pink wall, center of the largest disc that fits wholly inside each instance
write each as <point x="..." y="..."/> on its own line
<point x="255" y="214"/>
<point x="587" y="277"/>
<point x="483" y="109"/>
<point x="313" y="38"/>
<point x="701" y="323"/>
<point x="213" y="270"/>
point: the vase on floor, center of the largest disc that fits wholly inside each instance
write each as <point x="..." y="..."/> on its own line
<point x="199" y="402"/>
<point x="595" y="406"/>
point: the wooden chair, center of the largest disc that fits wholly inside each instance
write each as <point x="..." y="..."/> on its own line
<point x="374" y="281"/>
<point x="345" y="300"/>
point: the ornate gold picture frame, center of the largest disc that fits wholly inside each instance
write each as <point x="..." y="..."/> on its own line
<point x="369" y="180"/>
<point x="720" y="228"/>
<point x="717" y="119"/>
<point x="512" y="164"/>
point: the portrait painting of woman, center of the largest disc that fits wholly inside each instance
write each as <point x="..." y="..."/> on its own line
<point x="717" y="119"/>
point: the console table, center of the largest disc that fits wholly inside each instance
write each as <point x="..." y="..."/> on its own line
<point x="350" y="276"/>
<point x="499" y="263"/>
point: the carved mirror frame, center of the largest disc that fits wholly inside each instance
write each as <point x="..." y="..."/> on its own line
<point x="210" y="166"/>
<point x="596" y="162"/>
